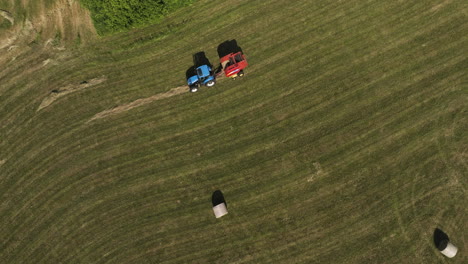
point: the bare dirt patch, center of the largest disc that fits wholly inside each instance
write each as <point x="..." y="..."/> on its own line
<point x="55" y="94"/>
<point x="66" y="20"/>
<point x="139" y="102"/>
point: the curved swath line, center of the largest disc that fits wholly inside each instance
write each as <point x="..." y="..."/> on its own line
<point x="62" y="151"/>
<point x="20" y="92"/>
<point x="165" y="246"/>
<point x="96" y="172"/>
<point x="109" y="139"/>
<point x="383" y="198"/>
<point x="255" y="221"/>
<point x="123" y="125"/>
<point x="117" y="209"/>
<point x="17" y="74"/>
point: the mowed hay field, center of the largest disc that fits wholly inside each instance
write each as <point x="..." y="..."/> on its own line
<point x="344" y="143"/>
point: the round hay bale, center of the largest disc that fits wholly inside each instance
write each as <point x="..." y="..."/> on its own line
<point x="448" y="249"/>
<point x="220" y="210"/>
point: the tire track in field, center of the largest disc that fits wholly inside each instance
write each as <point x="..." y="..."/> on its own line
<point x="139" y="102"/>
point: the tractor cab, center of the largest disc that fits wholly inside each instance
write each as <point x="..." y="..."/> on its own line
<point x="203" y="75"/>
<point x="233" y="64"/>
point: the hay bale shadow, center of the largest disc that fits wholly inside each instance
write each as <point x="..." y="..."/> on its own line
<point x="441" y="239"/>
<point x="218" y="198"/>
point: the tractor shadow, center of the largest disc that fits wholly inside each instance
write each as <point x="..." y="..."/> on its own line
<point x="199" y="59"/>
<point x="440" y="239"/>
<point x="218" y="198"/>
<point x="190" y="72"/>
<point x="228" y="47"/>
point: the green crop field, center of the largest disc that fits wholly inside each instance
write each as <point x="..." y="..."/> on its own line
<point x="345" y="142"/>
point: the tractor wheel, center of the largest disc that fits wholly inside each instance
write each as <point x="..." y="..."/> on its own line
<point x="210" y="83"/>
<point x="194" y="89"/>
<point x="240" y="74"/>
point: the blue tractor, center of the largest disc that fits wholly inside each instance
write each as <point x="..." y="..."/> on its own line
<point x="203" y="75"/>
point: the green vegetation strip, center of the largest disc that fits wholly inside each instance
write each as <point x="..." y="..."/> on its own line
<point x="111" y="16"/>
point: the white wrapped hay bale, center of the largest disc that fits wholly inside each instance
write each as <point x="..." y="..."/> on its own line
<point x="448" y="249"/>
<point x="219" y="204"/>
<point x="220" y="210"/>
